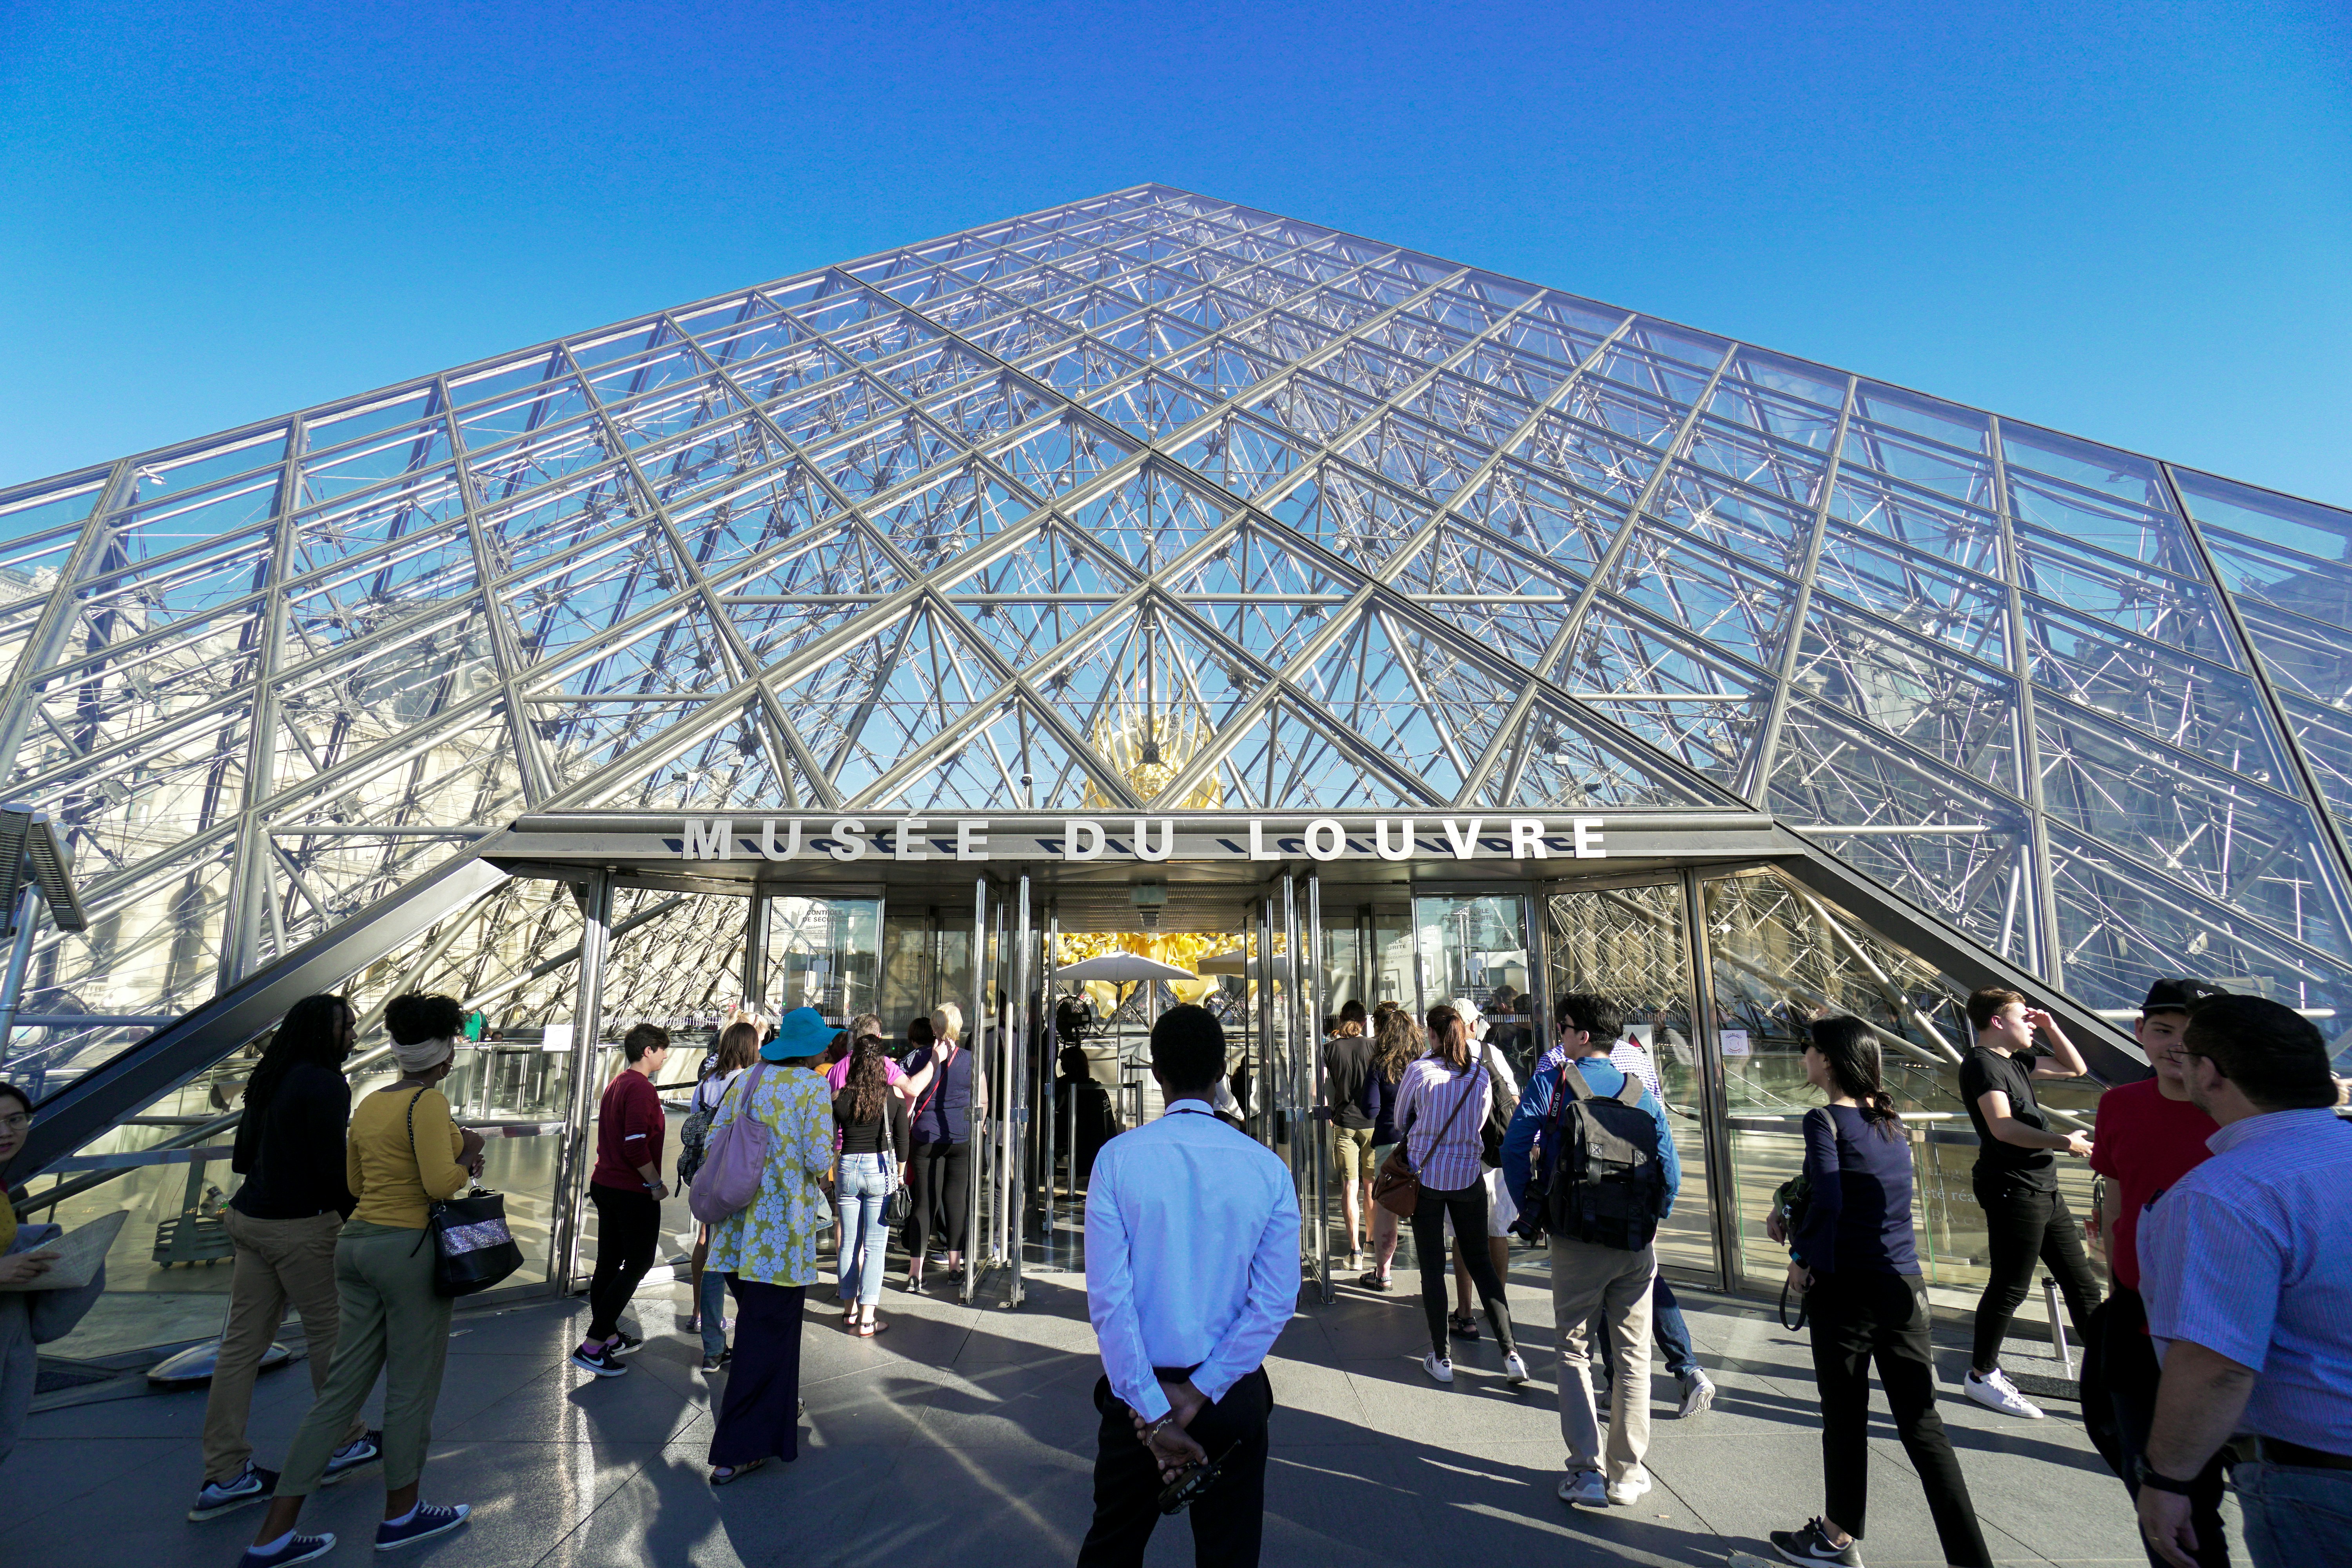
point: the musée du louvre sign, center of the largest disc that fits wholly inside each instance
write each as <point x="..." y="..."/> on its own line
<point x="1143" y="838"/>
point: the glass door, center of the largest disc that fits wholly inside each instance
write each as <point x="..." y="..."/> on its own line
<point x="1474" y="947"/>
<point x="1631" y="945"/>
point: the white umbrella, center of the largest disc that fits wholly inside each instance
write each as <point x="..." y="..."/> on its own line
<point x="1122" y="968"/>
<point x="1234" y="963"/>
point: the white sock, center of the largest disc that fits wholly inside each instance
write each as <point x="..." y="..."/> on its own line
<point x="404" y="1518"/>
<point x="277" y="1544"/>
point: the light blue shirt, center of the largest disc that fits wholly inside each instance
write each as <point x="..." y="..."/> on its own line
<point x="1191" y="1255"/>
<point x="2250" y="1255"/>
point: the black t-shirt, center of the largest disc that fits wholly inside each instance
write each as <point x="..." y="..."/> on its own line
<point x="1347" y="1058"/>
<point x="1984" y="1072"/>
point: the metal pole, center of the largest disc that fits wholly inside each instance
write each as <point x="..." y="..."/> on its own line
<point x="20" y="954"/>
<point x="1000" y="1099"/>
<point x="1017" y="1109"/>
<point x="755" y="953"/>
<point x="1318" y="1010"/>
<point x="1290" y="1035"/>
<point x="975" y="1129"/>
<point x="572" y="1159"/>
<point x="1715" y="1105"/>
<point x="1265" y="1085"/>
<point x="1052" y="1075"/>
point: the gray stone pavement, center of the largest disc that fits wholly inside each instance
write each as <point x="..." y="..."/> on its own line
<point x="968" y="1433"/>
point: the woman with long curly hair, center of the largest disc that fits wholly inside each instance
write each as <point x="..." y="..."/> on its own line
<point x="870" y="1121"/>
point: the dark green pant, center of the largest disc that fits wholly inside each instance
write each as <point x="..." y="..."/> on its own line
<point x="392" y="1324"/>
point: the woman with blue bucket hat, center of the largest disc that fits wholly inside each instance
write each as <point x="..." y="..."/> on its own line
<point x="769" y="1151"/>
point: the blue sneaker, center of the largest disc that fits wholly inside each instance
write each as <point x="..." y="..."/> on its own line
<point x="297" y="1549"/>
<point x="356" y="1455"/>
<point x="429" y="1520"/>
<point x="251" y="1485"/>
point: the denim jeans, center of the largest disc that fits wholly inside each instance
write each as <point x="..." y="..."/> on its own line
<point x="2296" y="1517"/>
<point x="713" y="1309"/>
<point x="863" y="1189"/>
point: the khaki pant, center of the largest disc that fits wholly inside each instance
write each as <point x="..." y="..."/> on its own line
<point x="279" y="1262"/>
<point x="1587" y="1278"/>
<point x="392" y="1324"/>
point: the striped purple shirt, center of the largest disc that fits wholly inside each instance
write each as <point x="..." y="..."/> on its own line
<point x="1426" y="1099"/>
<point x="2250" y="1255"/>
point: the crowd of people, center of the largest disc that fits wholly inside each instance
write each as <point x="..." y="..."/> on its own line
<point x="2217" y="1360"/>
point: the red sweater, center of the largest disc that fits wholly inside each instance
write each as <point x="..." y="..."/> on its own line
<point x="629" y="1127"/>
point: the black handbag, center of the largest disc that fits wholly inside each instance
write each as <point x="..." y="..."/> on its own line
<point x="472" y="1248"/>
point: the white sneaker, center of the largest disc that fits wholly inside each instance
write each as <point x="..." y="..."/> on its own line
<point x="1441" y="1368"/>
<point x="1624" y="1493"/>
<point x="1698" y="1393"/>
<point x="1997" y="1393"/>
<point x="1587" y="1488"/>
<point x="1514" y="1367"/>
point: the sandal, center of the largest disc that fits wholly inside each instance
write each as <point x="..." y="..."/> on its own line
<point x="1374" y="1282"/>
<point x="1465" y="1325"/>
<point x="723" y="1475"/>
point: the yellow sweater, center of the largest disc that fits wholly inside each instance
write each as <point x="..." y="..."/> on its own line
<point x="392" y="1183"/>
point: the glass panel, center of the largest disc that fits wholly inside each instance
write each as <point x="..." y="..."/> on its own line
<point x="1632" y="946"/>
<point x="822" y="954"/>
<point x="926" y="959"/>
<point x="1782" y="956"/>
<point x="1366" y="955"/>
<point x="1475" y="945"/>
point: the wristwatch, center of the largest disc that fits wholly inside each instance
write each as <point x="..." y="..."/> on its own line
<point x="2151" y="1477"/>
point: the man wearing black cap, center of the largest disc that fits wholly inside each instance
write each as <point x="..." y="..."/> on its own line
<point x="2149" y="1136"/>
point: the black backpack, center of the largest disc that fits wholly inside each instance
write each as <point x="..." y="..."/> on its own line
<point x="1608" y="1183"/>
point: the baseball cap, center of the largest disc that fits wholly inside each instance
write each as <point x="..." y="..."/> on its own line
<point x="802" y="1032"/>
<point x="2179" y="995"/>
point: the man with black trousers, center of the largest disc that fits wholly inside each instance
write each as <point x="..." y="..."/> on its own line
<point x="2149" y="1135"/>
<point x="1192" y="1271"/>
<point x="2026" y="1219"/>
<point x="627" y="1190"/>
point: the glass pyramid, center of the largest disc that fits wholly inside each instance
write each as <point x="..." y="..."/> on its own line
<point x="1157" y="497"/>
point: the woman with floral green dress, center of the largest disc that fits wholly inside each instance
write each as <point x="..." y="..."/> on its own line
<point x="768" y="1250"/>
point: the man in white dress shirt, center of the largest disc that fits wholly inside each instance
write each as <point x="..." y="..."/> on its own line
<point x="1191" y="1271"/>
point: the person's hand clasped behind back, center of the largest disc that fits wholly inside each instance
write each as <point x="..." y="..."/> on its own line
<point x="1171" y="1446"/>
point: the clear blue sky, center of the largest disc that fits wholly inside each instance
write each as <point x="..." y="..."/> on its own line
<point x="2132" y="222"/>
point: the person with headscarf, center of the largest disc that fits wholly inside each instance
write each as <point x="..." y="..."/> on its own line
<point x="405" y="1153"/>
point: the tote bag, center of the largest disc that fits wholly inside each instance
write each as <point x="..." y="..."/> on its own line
<point x="734" y="1159"/>
<point x="472" y="1248"/>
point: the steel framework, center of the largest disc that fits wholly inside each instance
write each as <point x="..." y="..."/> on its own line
<point x="1157" y="498"/>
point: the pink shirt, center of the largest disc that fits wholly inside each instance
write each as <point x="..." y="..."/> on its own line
<point x="837" y="1075"/>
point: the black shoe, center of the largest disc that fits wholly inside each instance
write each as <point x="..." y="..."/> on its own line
<point x="624" y="1342"/>
<point x="717" y="1362"/>
<point x="1811" y="1544"/>
<point x="600" y="1361"/>
<point x="1375" y="1282"/>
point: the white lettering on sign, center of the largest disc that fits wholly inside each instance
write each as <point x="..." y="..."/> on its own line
<point x="1158" y="839"/>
